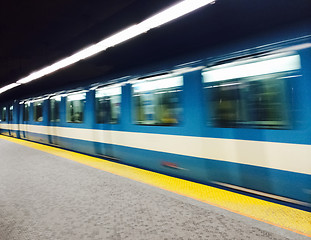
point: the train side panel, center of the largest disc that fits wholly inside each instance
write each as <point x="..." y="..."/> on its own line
<point x="206" y="141"/>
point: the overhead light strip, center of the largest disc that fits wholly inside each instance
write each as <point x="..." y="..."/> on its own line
<point x="157" y="20"/>
<point x="8" y="87"/>
<point x="260" y="67"/>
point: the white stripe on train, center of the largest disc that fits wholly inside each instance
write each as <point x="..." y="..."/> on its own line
<point x="281" y="156"/>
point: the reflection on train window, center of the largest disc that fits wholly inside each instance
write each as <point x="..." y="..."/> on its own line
<point x="75" y="107"/>
<point x="266" y="101"/>
<point x="157" y="102"/>
<point x="11" y="114"/>
<point x="3" y="114"/>
<point x="54" y="109"/>
<point x="253" y="94"/>
<point x="38" y="111"/>
<point x="26" y="107"/>
<point x="107" y="104"/>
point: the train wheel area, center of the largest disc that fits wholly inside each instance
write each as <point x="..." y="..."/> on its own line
<point x="45" y="196"/>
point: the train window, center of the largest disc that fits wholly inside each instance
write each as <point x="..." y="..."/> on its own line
<point x="75" y="107"/>
<point x="54" y="115"/>
<point x="251" y="93"/>
<point x="107" y="104"/>
<point x="3" y="114"/>
<point x="266" y="101"/>
<point x="157" y="102"/>
<point x="11" y="114"/>
<point x="38" y="111"/>
<point x="26" y="111"/>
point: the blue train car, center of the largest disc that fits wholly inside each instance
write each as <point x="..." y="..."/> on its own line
<point x="237" y="119"/>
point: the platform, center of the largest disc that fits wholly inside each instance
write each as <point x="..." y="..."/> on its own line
<point x="51" y="193"/>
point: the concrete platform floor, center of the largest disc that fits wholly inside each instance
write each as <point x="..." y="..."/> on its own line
<point x="43" y="196"/>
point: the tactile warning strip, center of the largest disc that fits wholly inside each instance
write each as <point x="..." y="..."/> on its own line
<point x="282" y="216"/>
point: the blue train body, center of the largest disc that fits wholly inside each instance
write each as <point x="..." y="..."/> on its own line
<point x="240" y="120"/>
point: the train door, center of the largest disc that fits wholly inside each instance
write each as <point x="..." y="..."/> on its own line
<point x="54" y="119"/>
<point x="10" y="121"/>
<point x="4" y="129"/>
<point x="25" y="120"/>
<point x="19" y="110"/>
<point x="107" y="112"/>
<point x="16" y="120"/>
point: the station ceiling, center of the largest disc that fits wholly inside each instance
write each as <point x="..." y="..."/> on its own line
<point x="37" y="33"/>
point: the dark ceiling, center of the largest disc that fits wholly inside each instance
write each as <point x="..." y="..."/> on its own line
<point x="36" y="33"/>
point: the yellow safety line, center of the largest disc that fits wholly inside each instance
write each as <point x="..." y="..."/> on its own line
<point x="292" y="219"/>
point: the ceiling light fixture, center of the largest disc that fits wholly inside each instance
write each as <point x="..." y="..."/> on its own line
<point x="157" y="20"/>
<point x="8" y="87"/>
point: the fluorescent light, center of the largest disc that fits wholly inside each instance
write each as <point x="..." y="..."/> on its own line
<point x="174" y="12"/>
<point x="187" y="70"/>
<point x="76" y="96"/>
<point x="38" y="100"/>
<point x="157" y="20"/>
<point x="146" y="86"/>
<point x="8" y="87"/>
<point x="108" y="91"/>
<point x="275" y="65"/>
<point x="57" y="98"/>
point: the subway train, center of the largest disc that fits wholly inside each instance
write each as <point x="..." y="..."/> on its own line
<point x="240" y="118"/>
